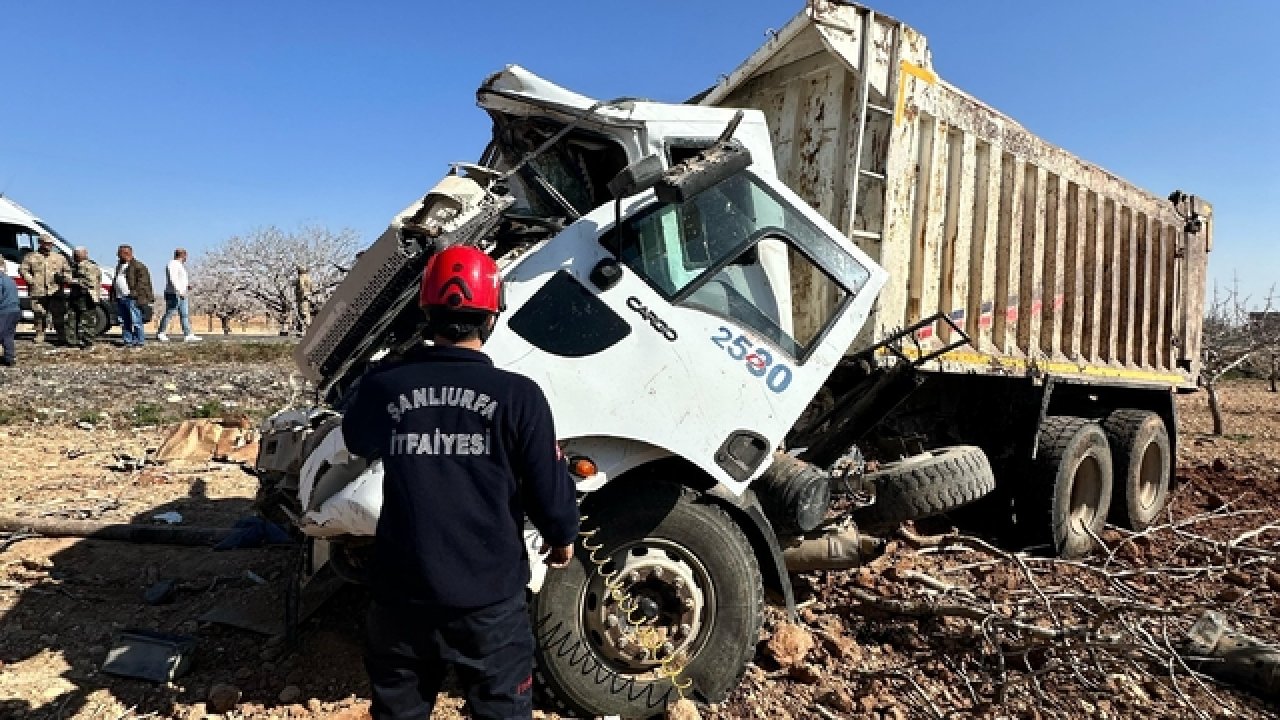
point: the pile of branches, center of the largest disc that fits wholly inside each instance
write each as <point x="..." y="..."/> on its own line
<point x="997" y="631"/>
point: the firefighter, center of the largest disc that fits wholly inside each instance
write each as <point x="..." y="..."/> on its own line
<point x="467" y="450"/>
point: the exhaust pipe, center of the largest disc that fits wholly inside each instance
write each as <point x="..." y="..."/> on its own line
<point x="839" y="548"/>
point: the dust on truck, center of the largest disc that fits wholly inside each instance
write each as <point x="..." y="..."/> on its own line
<point x="1070" y="300"/>
<point x="708" y="315"/>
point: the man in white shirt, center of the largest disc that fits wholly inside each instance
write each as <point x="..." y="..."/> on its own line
<point x="175" y="297"/>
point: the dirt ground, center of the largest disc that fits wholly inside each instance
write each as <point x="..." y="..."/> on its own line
<point x="73" y="425"/>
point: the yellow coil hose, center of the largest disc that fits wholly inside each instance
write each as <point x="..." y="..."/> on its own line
<point x="649" y="638"/>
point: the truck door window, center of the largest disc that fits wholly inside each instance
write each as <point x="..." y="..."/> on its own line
<point x="739" y="252"/>
<point x="16" y="241"/>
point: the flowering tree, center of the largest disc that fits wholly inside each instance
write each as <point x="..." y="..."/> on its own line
<point x="260" y="268"/>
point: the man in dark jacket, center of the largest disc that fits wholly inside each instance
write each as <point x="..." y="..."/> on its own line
<point x="467" y="449"/>
<point x="131" y="292"/>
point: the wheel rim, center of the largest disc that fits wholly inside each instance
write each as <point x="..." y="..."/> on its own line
<point x="1086" y="492"/>
<point x="675" y="599"/>
<point x="1150" y="476"/>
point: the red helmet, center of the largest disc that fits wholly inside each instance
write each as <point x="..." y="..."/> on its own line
<point x="461" y="277"/>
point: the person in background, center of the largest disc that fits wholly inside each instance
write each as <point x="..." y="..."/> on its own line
<point x="176" y="285"/>
<point x="10" y="311"/>
<point x="302" y="290"/>
<point x="131" y="291"/>
<point x="79" y="326"/>
<point x="38" y="271"/>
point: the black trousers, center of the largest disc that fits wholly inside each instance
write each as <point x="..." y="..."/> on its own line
<point x="490" y="648"/>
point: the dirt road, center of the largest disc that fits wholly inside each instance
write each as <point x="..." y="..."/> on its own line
<point x="72" y="425"/>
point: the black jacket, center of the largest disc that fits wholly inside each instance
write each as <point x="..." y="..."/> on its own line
<point x="138" y="278"/>
<point x="467" y="449"/>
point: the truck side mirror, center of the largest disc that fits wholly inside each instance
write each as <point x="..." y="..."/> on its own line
<point x="636" y="177"/>
<point x="702" y="171"/>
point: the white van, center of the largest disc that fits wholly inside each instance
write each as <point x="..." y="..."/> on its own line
<point x="20" y="231"/>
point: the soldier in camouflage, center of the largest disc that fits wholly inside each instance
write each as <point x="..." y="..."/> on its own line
<point x="39" y="270"/>
<point x="80" y="323"/>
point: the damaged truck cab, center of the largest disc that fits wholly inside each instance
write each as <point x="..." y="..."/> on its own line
<point x="648" y="252"/>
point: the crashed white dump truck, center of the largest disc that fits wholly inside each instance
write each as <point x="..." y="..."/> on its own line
<point x="732" y="304"/>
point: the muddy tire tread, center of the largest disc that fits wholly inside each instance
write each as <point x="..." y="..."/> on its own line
<point x="959" y="476"/>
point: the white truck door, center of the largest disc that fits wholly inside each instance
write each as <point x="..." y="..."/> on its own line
<point x="696" y="349"/>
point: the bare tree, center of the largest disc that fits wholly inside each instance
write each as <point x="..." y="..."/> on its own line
<point x="1234" y="336"/>
<point x="261" y="266"/>
<point x="1269" y="323"/>
<point x="216" y="293"/>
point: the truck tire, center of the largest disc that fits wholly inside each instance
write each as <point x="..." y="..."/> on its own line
<point x="1142" y="458"/>
<point x="100" y="322"/>
<point x="1065" y="500"/>
<point x="694" y="574"/>
<point x="928" y="484"/>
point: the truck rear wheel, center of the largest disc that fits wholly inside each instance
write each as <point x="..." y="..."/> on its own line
<point x="697" y="588"/>
<point x="99" y="323"/>
<point x="925" y="485"/>
<point x="1143" y="459"/>
<point x="1066" y="498"/>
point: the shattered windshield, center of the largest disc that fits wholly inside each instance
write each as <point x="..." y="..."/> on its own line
<point x="577" y="168"/>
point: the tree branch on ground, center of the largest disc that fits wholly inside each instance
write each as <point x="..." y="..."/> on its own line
<point x="1024" y="624"/>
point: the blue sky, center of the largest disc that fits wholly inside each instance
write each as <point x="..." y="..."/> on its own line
<point x="167" y="123"/>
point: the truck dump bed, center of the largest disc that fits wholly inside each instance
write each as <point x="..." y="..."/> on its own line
<point x="1051" y="264"/>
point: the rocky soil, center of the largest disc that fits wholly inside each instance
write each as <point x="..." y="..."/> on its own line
<point x="936" y="628"/>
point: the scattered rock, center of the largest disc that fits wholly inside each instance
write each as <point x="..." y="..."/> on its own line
<point x="845" y="648"/>
<point x="805" y="674"/>
<point x="790" y="644"/>
<point x="864" y="578"/>
<point x="223" y="697"/>
<point x="683" y="709"/>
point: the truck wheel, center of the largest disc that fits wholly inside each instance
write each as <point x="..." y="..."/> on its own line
<point x="99" y="323"/>
<point x="1143" y="459"/>
<point x="928" y="484"/>
<point x="697" y="585"/>
<point x="1065" y="500"/>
